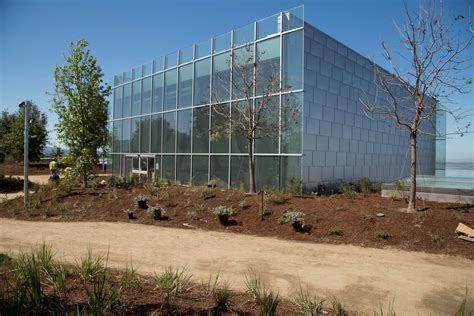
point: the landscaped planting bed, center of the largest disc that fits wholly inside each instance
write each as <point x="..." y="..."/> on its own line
<point x="338" y="219"/>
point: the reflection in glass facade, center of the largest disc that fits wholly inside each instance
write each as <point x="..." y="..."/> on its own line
<point x="162" y="112"/>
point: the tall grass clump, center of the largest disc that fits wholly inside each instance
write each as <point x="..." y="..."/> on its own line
<point x="307" y="303"/>
<point x="171" y="281"/>
<point x="257" y="290"/>
<point x="269" y="303"/>
<point x="91" y="266"/>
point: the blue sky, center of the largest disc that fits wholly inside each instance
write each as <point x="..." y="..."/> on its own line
<point x="34" y="35"/>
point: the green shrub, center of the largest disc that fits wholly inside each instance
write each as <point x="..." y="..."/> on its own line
<point x="377" y="186"/>
<point x="365" y="185"/>
<point x="294" y="216"/>
<point x="221" y="296"/>
<point x="282" y="220"/>
<point x="382" y="234"/>
<point x="393" y="195"/>
<point x="212" y="283"/>
<point x="294" y="186"/>
<point x="45" y="256"/>
<point x="91" y="267"/>
<point x="335" y="231"/>
<point x="141" y="198"/>
<point x="275" y="196"/>
<point x="193" y="215"/>
<point x="222" y="210"/>
<point x="243" y="204"/>
<point x="308" y="304"/>
<point x="206" y="193"/>
<point x="171" y="282"/>
<point x="4" y="258"/>
<point x="348" y="189"/>
<point x="337" y="307"/>
<point x="28" y="282"/>
<point x="254" y="285"/>
<point x="150" y="187"/>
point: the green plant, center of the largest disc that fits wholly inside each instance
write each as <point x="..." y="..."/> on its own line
<point x="46" y="211"/>
<point x="382" y="234"/>
<point x="129" y="277"/>
<point x="393" y="195"/>
<point x="193" y="215"/>
<point x="365" y="185"/>
<point x="462" y="308"/>
<point x="57" y="277"/>
<point x="4" y="258"/>
<point x="243" y="204"/>
<point x="335" y="231"/>
<point x="269" y="303"/>
<point x="390" y="310"/>
<point x="200" y="208"/>
<point x="308" y="304"/>
<point x="221" y="296"/>
<point x="141" y="199"/>
<point x="294" y="186"/>
<point x="150" y="187"/>
<point x="341" y="209"/>
<point x="368" y="215"/>
<point x="293" y="216"/>
<point x="90" y="266"/>
<point x="212" y="283"/>
<point x="222" y="210"/>
<point x="28" y="281"/>
<point x="214" y="182"/>
<point x="337" y="307"/>
<point x="166" y="198"/>
<point x="171" y="282"/>
<point x="45" y="256"/>
<point x="282" y="220"/>
<point x="348" y="189"/>
<point x="377" y="186"/>
<point x="275" y="196"/>
<point x="254" y="286"/>
<point x="206" y="193"/>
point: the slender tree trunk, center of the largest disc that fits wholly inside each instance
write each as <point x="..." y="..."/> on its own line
<point x="412" y="195"/>
<point x="251" y="168"/>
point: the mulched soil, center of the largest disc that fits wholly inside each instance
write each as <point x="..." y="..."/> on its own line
<point x="142" y="297"/>
<point x="429" y="230"/>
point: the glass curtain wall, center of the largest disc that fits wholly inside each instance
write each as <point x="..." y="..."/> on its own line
<point x="166" y="109"/>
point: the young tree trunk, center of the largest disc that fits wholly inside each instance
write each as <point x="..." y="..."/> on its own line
<point x="251" y="168"/>
<point x="412" y="195"/>
<point x="84" y="174"/>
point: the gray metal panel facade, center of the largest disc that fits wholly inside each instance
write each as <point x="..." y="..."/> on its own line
<point x="340" y="143"/>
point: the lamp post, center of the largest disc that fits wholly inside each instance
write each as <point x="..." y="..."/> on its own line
<point x="27" y="106"/>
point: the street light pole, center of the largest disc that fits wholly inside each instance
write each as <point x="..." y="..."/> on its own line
<point x="27" y="106"/>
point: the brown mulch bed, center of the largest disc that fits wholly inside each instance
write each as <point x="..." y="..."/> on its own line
<point x="428" y="230"/>
<point x="34" y="168"/>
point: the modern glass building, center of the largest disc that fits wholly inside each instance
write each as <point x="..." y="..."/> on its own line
<point x="162" y="113"/>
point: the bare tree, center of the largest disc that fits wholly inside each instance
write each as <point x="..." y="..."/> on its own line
<point x="425" y="73"/>
<point x="252" y="80"/>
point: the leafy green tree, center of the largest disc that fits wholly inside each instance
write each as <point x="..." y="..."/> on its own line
<point x="80" y="101"/>
<point x="12" y="130"/>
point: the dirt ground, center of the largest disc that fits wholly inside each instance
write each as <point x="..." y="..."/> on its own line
<point x="430" y="230"/>
<point x="362" y="278"/>
<point x="34" y="168"/>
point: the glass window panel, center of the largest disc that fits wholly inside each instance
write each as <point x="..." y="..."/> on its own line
<point x="290" y="168"/>
<point x="125" y="136"/>
<point x="202" y="76"/>
<point x="156" y="122"/>
<point x="269" y="129"/>
<point x="116" y="160"/>
<point x="244" y="35"/>
<point x="200" y="170"/>
<point x="127" y="76"/>
<point x="221" y="78"/>
<point x="117" y="136"/>
<point x="268" y="66"/>
<point x="147" y="69"/>
<point x="157" y="93"/>
<point x="242" y="72"/>
<point x="184" y="131"/>
<point x="185" y="86"/>
<point x="267" y="172"/>
<point x="145" y="134"/>
<point x="167" y="168"/>
<point x="239" y="172"/>
<point x="137" y="72"/>
<point x="170" y="90"/>
<point x="146" y="95"/>
<point x="118" y="79"/>
<point x="201" y="130"/>
<point x="135" y="135"/>
<point x="158" y="64"/>
<point x="293" y="19"/>
<point x="127" y="99"/>
<point x="267" y="26"/>
<point x="219" y="141"/>
<point x="169" y="130"/>
<point x="239" y="142"/>
<point x="118" y="102"/>
<point x="136" y="97"/>
<point x="171" y="60"/>
<point x="222" y="42"/>
<point x="203" y="49"/>
<point x="186" y="54"/>
<point x="220" y="170"/>
<point x="183" y="169"/>
<point x="291" y="115"/>
<point x="292" y="61"/>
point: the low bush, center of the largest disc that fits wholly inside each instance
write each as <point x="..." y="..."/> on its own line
<point x="275" y="196"/>
<point x="150" y="187"/>
<point x="221" y="296"/>
<point x="365" y="185"/>
<point x="282" y="220"/>
<point x="294" y="186"/>
<point x="337" y="231"/>
<point x="243" y="204"/>
<point x="91" y="266"/>
<point x="294" y="216"/>
<point x="338" y="308"/>
<point x="348" y="189"/>
<point x="206" y="193"/>
<point x="222" y="210"/>
<point x="382" y="234"/>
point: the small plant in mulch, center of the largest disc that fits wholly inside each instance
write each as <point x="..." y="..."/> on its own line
<point x="141" y="201"/>
<point x="276" y="196"/>
<point x="213" y="183"/>
<point x="335" y="231"/>
<point x="222" y="213"/>
<point x="296" y="219"/>
<point x="244" y="204"/>
<point x="193" y="215"/>
<point x="205" y="194"/>
<point x="130" y="214"/>
<point x="382" y="234"/>
<point x="155" y="212"/>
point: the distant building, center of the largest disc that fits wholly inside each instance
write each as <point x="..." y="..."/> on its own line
<point x="161" y="115"/>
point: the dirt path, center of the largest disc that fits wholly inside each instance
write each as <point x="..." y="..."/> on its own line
<point x="361" y="278"/>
